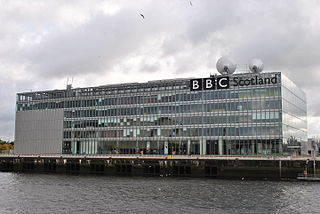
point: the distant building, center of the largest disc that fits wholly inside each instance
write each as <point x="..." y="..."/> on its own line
<point x="311" y="147"/>
<point x="236" y="114"/>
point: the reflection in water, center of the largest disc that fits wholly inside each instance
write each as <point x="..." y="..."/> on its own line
<point x="41" y="193"/>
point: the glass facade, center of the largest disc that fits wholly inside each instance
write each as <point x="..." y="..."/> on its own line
<point x="166" y="117"/>
<point x="294" y="119"/>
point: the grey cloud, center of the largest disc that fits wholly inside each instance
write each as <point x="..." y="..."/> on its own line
<point x="94" y="47"/>
<point x="148" y="67"/>
<point x="283" y="37"/>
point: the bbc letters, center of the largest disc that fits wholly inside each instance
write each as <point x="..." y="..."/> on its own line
<point x="224" y="82"/>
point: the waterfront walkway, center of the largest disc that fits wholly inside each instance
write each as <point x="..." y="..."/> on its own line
<point x="163" y="157"/>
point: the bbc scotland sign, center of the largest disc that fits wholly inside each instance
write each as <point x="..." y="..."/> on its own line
<point x="224" y="82"/>
<point x="209" y="84"/>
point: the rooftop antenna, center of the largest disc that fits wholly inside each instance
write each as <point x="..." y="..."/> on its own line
<point x="225" y="65"/>
<point x="69" y="86"/>
<point x="256" y="66"/>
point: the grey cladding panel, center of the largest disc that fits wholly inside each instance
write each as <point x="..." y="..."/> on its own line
<point x="39" y="132"/>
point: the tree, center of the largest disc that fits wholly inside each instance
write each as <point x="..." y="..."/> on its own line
<point x="6" y="145"/>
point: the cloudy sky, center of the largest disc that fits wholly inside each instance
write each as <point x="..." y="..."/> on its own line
<point x="42" y="43"/>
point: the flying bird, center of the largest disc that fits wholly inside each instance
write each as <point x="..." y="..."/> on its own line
<point x="141" y="15"/>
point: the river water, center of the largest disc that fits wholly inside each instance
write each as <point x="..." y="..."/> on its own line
<point x="50" y="193"/>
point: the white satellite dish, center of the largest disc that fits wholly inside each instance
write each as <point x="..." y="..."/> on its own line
<point x="256" y="66"/>
<point x="226" y="66"/>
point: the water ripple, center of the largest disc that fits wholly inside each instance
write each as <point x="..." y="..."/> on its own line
<point x="42" y="193"/>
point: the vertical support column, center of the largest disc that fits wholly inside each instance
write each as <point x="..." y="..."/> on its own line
<point x="280" y="146"/>
<point x="165" y="147"/>
<point x="203" y="147"/>
<point x="118" y="150"/>
<point x="137" y="147"/>
<point x="259" y="148"/>
<point x="220" y="144"/>
<point x="188" y="147"/>
<point x="73" y="147"/>
<point x="95" y="147"/>
<point x="148" y="147"/>
<point x="228" y="147"/>
<point x="252" y="147"/>
<point x="81" y="147"/>
<point x="314" y="163"/>
<point x="280" y="169"/>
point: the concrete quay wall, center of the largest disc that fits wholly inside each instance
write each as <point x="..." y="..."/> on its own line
<point x="233" y="167"/>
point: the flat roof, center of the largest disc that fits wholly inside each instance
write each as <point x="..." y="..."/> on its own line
<point x="123" y="86"/>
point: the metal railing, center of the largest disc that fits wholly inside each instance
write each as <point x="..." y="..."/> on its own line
<point x="311" y="175"/>
<point x="162" y="156"/>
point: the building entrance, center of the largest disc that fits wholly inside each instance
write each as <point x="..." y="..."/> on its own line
<point x="212" y="147"/>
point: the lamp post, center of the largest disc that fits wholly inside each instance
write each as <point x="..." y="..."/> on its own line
<point x="314" y="161"/>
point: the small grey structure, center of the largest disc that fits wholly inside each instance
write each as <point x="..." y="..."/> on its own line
<point x="236" y="114"/>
